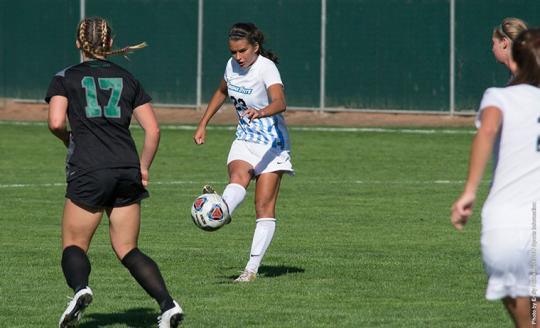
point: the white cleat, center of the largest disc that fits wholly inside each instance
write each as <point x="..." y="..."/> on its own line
<point x="75" y="308"/>
<point x="172" y="317"/>
<point x="246" y="276"/>
<point x="208" y="189"/>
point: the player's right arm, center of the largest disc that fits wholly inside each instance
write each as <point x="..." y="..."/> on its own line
<point x="214" y="105"/>
<point x="58" y="106"/>
<point x="480" y="153"/>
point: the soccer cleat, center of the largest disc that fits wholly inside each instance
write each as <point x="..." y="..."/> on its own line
<point x="75" y="308"/>
<point x="246" y="276"/>
<point x="208" y="189"/>
<point x="171" y="318"/>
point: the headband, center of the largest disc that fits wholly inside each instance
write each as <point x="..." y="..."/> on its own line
<point x="238" y="34"/>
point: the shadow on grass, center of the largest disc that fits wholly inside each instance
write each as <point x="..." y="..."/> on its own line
<point x="135" y="318"/>
<point x="278" y="270"/>
<point x="269" y="271"/>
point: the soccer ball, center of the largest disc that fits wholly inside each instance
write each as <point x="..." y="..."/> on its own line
<point x="209" y="212"/>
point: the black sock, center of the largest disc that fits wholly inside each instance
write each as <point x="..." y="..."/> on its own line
<point x="76" y="267"/>
<point x="147" y="274"/>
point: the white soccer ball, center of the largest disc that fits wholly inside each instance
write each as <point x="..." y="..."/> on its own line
<point x="209" y="212"/>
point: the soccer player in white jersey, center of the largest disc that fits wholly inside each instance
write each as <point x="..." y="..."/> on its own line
<point x="509" y="219"/>
<point x="261" y="150"/>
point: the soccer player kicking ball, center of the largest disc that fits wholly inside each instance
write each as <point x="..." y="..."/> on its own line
<point x="261" y="150"/>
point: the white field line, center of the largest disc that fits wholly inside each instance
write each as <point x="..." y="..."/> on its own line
<point x="169" y="183"/>
<point x="63" y="184"/>
<point x="294" y="128"/>
<point x="19" y="123"/>
<point x="410" y="182"/>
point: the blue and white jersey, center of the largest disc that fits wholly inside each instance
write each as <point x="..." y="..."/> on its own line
<point x="247" y="88"/>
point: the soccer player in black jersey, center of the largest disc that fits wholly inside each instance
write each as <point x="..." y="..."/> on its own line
<point x="104" y="171"/>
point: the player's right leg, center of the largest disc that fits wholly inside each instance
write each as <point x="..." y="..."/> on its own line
<point x="78" y="226"/>
<point x="240" y="174"/>
<point x="519" y="309"/>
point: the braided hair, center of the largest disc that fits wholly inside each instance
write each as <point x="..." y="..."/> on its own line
<point x="94" y="37"/>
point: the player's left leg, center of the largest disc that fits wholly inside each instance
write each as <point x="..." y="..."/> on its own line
<point x="266" y="194"/>
<point x="124" y="231"/>
<point x="78" y="226"/>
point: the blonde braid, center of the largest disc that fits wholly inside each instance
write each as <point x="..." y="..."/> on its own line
<point x="129" y="49"/>
<point x="95" y="49"/>
<point x="82" y="28"/>
<point x="104" y="41"/>
<point x="85" y="45"/>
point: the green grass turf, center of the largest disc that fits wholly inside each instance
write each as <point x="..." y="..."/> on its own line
<point x="363" y="237"/>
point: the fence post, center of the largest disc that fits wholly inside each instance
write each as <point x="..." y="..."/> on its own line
<point x="452" y="57"/>
<point x="82" y="15"/>
<point x="199" y="53"/>
<point x="322" y="91"/>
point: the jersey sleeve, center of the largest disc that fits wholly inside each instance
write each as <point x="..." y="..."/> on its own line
<point x="56" y="88"/>
<point x="491" y="98"/>
<point x="228" y="69"/>
<point x="141" y="97"/>
<point x="270" y="75"/>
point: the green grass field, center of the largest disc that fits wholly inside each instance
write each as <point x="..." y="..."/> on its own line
<point x="363" y="236"/>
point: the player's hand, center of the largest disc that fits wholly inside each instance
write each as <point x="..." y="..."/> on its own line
<point x="144" y="175"/>
<point x="251" y="114"/>
<point x="199" y="135"/>
<point x="462" y="210"/>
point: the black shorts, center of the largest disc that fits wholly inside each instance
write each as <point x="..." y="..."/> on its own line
<point x="105" y="188"/>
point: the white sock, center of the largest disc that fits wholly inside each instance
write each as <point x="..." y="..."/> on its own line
<point x="233" y="195"/>
<point x="264" y="232"/>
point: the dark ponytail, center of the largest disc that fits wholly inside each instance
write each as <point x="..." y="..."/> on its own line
<point x="254" y="36"/>
<point x="526" y="54"/>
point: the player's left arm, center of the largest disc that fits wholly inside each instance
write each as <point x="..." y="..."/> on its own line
<point x="480" y="153"/>
<point x="277" y="104"/>
<point x="58" y="106"/>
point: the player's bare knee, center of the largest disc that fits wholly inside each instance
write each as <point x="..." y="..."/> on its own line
<point x="264" y="208"/>
<point x="120" y="253"/>
<point x="122" y="249"/>
<point x="240" y="178"/>
<point x="80" y="244"/>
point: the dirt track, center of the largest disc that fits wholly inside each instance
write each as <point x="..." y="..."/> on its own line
<point x="15" y="111"/>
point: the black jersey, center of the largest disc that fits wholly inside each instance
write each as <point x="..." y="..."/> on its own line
<point x="101" y="98"/>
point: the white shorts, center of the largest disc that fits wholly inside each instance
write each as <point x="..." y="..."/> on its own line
<point x="508" y="261"/>
<point x="262" y="157"/>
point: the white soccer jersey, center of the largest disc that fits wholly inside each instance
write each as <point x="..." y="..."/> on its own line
<point x="516" y="179"/>
<point x="247" y="88"/>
